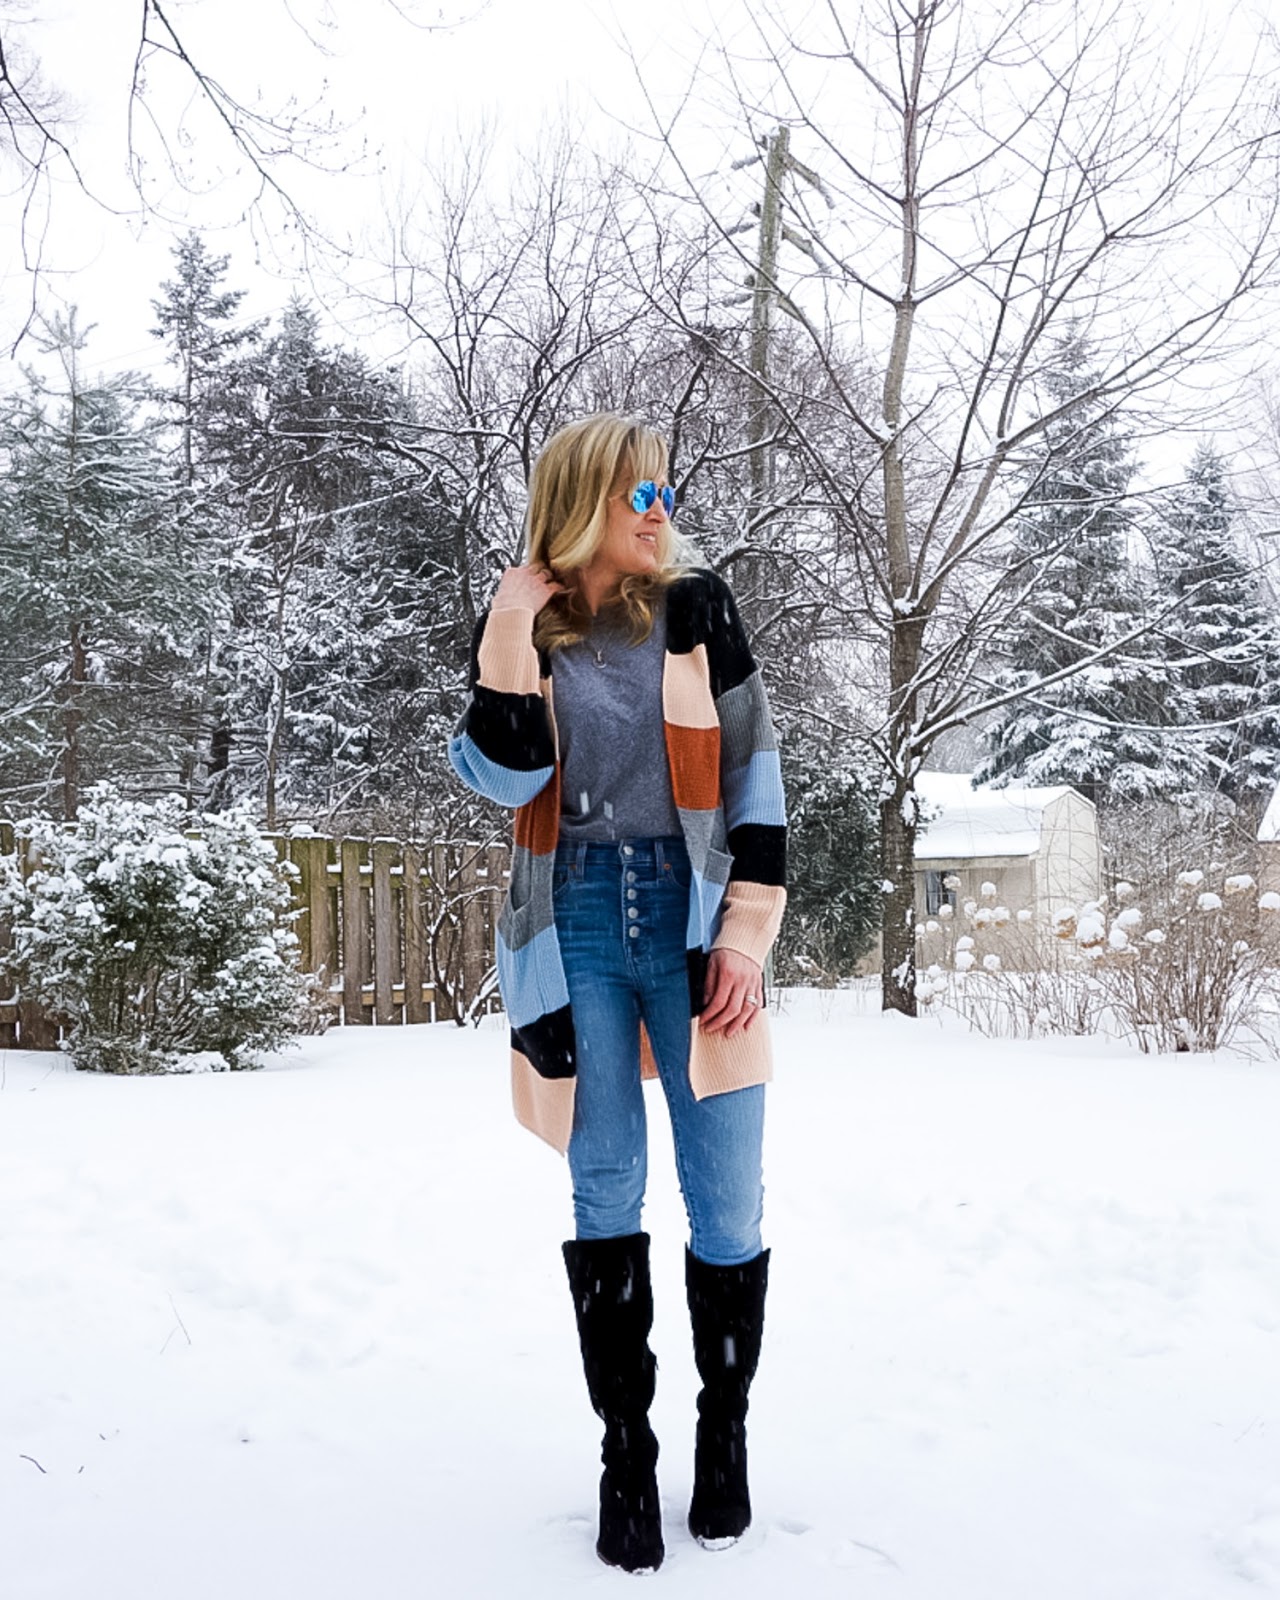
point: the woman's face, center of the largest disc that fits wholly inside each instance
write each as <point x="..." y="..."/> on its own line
<point x="630" y="543"/>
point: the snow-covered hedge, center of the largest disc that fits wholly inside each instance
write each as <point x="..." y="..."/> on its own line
<point x="161" y="939"/>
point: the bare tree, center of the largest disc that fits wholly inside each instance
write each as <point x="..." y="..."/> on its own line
<point x="989" y="175"/>
<point x="186" y="122"/>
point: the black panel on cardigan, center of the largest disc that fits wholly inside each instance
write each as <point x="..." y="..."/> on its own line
<point x="511" y="729"/>
<point x="759" y="852"/>
<point x="549" y="1043"/>
<point x="696" y="960"/>
<point x="701" y="610"/>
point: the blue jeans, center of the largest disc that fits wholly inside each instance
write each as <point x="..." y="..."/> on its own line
<point x="621" y="913"/>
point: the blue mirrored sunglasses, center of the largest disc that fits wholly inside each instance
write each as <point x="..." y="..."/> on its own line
<point x="644" y="494"/>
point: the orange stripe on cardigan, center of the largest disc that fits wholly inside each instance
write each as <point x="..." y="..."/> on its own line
<point x="693" y="755"/>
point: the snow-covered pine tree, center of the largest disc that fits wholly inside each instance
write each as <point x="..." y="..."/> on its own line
<point x="1223" y="636"/>
<point x="198" y="320"/>
<point x="1107" y="730"/>
<point x="332" y="507"/>
<point x="100" y="602"/>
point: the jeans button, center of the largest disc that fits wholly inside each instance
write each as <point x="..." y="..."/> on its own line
<point x="631" y="877"/>
<point x="634" y="932"/>
<point x="632" y="912"/>
<point x="631" y="894"/>
<point x="628" y="850"/>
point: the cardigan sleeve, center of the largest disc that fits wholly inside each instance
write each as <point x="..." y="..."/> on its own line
<point x="751" y="786"/>
<point x="503" y="746"/>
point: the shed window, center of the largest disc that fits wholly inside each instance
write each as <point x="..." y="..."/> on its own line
<point x="936" y="895"/>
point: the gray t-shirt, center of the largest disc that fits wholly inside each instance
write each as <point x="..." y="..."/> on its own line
<point x="614" y="778"/>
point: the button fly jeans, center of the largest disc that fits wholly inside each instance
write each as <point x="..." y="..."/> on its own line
<point x="621" y="912"/>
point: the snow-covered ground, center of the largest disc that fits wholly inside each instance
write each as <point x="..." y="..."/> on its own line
<point x="303" y="1334"/>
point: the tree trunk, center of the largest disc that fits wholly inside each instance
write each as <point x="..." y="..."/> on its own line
<point x="898" y="816"/>
<point x="275" y="742"/>
<point x="72" y="717"/>
<point x="899" y="823"/>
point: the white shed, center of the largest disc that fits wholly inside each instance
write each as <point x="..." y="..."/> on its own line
<point x="1039" y="847"/>
<point x="1269" y="845"/>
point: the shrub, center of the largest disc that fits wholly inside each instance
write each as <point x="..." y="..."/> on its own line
<point x="833" y="861"/>
<point x="155" y="936"/>
<point x="1191" y="969"/>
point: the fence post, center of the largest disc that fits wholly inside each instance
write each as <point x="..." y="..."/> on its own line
<point x="416" y="1008"/>
<point x="8" y="1007"/>
<point x="386" y="940"/>
<point x="355" y="934"/>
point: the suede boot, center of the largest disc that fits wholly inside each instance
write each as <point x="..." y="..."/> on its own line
<point x="726" y="1306"/>
<point x="613" y="1301"/>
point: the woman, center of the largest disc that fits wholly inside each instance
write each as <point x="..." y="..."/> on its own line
<point x="647" y="885"/>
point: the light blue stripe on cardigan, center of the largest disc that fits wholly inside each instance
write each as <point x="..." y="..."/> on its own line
<point x="753" y="794"/>
<point x="704" y="912"/>
<point x="531" y="978"/>
<point x="505" y="785"/>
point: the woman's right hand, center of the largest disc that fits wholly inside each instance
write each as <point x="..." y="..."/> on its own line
<point x="525" y="589"/>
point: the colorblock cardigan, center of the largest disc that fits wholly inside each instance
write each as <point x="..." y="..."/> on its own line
<point x="727" y="784"/>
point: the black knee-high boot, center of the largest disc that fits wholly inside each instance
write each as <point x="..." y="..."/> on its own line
<point x="613" y="1301"/>
<point x="726" y="1306"/>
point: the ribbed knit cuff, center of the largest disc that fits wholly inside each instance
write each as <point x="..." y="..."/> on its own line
<point x="508" y="661"/>
<point x="751" y="919"/>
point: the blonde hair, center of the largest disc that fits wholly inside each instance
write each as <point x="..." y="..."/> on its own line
<point x="565" y="525"/>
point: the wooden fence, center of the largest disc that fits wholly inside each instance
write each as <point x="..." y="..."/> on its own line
<point x="395" y="933"/>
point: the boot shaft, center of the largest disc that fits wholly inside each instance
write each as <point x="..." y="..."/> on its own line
<point x="613" y="1304"/>
<point x="726" y="1309"/>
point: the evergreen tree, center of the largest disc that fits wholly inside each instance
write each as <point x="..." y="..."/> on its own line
<point x="99" y="604"/>
<point x="1103" y="729"/>
<point x="195" y="317"/>
<point x="328" y="590"/>
<point x="1223" y="638"/>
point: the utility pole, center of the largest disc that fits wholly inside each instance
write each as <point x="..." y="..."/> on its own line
<point x="764" y="293"/>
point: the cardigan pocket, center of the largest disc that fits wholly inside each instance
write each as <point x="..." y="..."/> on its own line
<point x="711" y="885"/>
<point x="520" y="925"/>
<point x="719" y="866"/>
<point x="530" y="975"/>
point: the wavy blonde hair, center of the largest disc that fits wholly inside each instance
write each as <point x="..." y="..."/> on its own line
<point x="569" y="491"/>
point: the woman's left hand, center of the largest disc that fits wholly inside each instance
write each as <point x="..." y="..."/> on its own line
<point x="734" y="993"/>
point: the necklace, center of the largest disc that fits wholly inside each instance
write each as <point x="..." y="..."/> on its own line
<point x="599" y="657"/>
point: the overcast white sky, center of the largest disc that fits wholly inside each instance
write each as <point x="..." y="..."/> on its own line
<point x="400" y="88"/>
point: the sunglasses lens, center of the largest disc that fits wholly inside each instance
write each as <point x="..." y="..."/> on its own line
<point x="644" y="494"/>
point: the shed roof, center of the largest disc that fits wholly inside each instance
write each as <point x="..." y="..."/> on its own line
<point x="980" y="822"/>
<point x="1269" y="827"/>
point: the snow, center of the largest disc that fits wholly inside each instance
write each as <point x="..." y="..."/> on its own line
<point x="305" y="1331"/>
<point x="972" y="822"/>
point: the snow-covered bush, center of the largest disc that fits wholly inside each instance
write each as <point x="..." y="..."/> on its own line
<point x="833" y="856"/>
<point x="154" y="945"/>
<point x="1202" y="973"/>
<point x="1191" y="968"/>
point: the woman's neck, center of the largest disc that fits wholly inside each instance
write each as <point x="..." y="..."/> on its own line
<point x="598" y="584"/>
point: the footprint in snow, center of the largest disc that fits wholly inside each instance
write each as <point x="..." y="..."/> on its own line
<point x="1253" y="1551"/>
<point x="856" y="1553"/>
